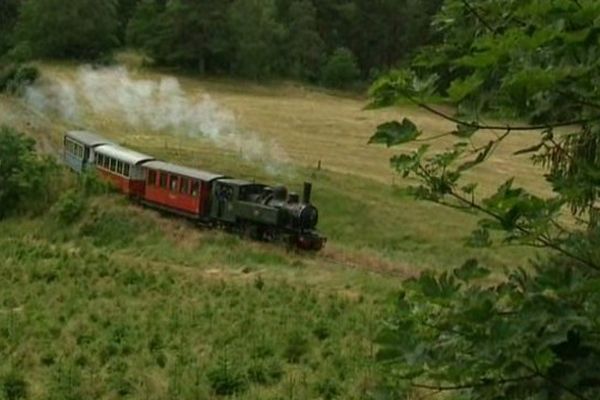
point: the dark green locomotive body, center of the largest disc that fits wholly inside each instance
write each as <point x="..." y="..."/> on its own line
<point x="266" y="213"/>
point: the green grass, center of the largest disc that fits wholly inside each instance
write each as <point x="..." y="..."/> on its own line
<point x="380" y="224"/>
<point x="105" y="313"/>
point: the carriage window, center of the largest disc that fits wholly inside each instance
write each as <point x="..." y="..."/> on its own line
<point x="113" y="164"/>
<point x="80" y="151"/>
<point x="195" y="188"/>
<point x="185" y="185"/>
<point x="151" y="178"/>
<point x="174" y="182"/>
<point x="106" y="162"/>
<point x="119" y="167"/>
<point x="163" y="180"/>
<point x="126" y="170"/>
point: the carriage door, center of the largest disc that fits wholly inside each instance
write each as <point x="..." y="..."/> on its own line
<point x="225" y="195"/>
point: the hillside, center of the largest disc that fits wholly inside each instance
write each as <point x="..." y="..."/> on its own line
<point x="126" y="302"/>
<point x="280" y="134"/>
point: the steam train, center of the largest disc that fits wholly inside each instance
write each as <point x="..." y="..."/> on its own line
<point x="259" y="211"/>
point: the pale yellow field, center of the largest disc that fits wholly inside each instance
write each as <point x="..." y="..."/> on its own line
<point x="310" y="125"/>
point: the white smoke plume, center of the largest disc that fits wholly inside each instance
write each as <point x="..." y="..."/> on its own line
<point x="160" y="106"/>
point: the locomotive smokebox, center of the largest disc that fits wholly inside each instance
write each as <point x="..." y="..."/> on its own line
<point x="307" y="192"/>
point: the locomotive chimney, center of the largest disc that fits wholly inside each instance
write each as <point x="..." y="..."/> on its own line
<point x="307" y="192"/>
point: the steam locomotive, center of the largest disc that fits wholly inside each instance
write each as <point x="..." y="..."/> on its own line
<point x="256" y="210"/>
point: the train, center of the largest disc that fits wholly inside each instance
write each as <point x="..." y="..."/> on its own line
<point x="259" y="211"/>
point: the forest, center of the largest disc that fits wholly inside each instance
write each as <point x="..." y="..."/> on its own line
<point x="332" y="42"/>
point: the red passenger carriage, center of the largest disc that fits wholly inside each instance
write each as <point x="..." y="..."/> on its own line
<point x="123" y="168"/>
<point x="184" y="190"/>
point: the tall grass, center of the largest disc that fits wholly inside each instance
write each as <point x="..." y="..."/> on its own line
<point x="118" y="308"/>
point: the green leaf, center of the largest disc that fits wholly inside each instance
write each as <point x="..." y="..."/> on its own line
<point x="395" y="133"/>
<point x="481" y="157"/>
<point x="545" y="359"/>
<point x="577" y="36"/>
<point x="465" y="131"/>
<point x="471" y="270"/>
<point x="480" y="238"/>
<point x="461" y="88"/>
<point x="470" y="188"/>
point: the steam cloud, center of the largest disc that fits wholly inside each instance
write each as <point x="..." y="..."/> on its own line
<point x="159" y="106"/>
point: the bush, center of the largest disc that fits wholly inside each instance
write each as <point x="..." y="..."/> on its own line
<point x="14" y="78"/>
<point x="91" y="184"/>
<point x="13" y="386"/>
<point x="70" y="206"/>
<point x="113" y="227"/>
<point x="27" y="182"/>
<point x="328" y="389"/>
<point x="265" y="372"/>
<point x="341" y="69"/>
<point x="297" y="346"/>
<point x="226" y="380"/>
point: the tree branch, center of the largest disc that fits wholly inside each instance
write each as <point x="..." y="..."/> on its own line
<point x="579" y="100"/>
<point x="479" y="17"/>
<point x="544" y="241"/>
<point x="501" y="127"/>
<point x="475" y="385"/>
<point x="428" y="139"/>
<point x="554" y="382"/>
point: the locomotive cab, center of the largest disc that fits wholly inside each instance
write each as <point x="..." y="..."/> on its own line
<point x="233" y="203"/>
<point x="267" y="211"/>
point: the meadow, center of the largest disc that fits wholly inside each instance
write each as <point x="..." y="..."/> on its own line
<point x="122" y="302"/>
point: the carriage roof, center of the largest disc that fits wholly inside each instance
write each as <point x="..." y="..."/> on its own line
<point x="181" y="170"/>
<point x="123" y="154"/>
<point x="86" y="138"/>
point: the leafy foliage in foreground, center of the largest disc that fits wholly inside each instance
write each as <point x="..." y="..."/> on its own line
<point x="531" y="336"/>
<point x="535" y="334"/>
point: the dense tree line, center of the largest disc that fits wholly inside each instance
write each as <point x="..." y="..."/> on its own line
<point x="330" y="41"/>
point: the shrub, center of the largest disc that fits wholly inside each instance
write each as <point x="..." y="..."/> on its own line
<point x="341" y="69"/>
<point x="328" y="389"/>
<point x="113" y="227"/>
<point x="14" y="78"/>
<point x="27" y="182"/>
<point x="91" y="184"/>
<point x="70" y="206"/>
<point x="297" y="346"/>
<point x="322" y="330"/>
<point x="13" y="386"/>
<point x="265" y="372"/>
<point x="226" y="380"/>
